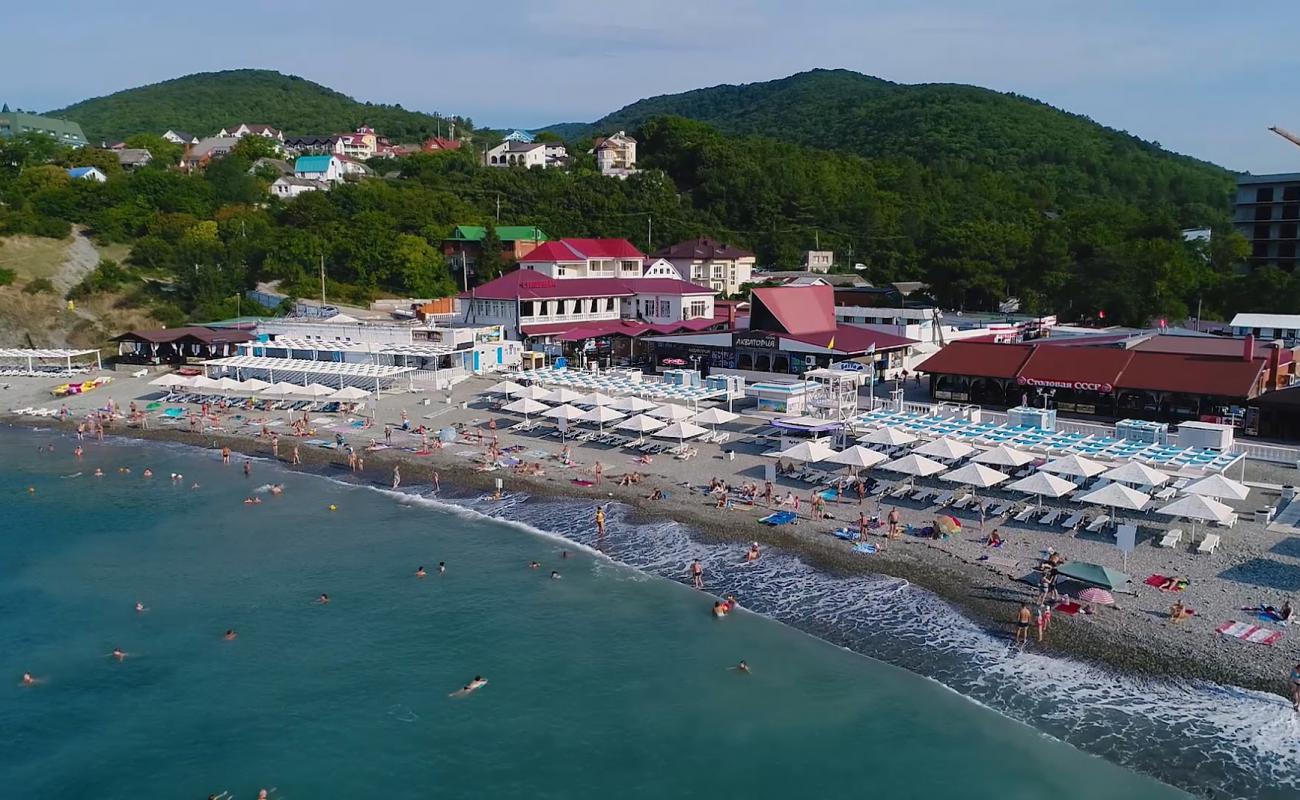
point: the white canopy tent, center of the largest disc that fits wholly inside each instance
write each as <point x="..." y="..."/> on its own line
<point x="338" y="373"/>
<point x="33" y="354"/>
<point x="1003" y="456"/>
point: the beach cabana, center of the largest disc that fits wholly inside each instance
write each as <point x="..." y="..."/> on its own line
<point x="1219" y="487"/>
<point x="809" y="451"/>
<point x="1003" y="456"/>
<point x="1093" y="574"/>
<point x="600" y="415"/>
<point x="1042" y="485"/>
<point x="1074" y="466"/>
<point x="945" y="449"/>
<point x="976" y="475"/>
<point x="672" y="412"/>
<point x="914" y="465"/>
<point x="1136" y="474"/>
<point x="632" y="405"/>
<point x="888" y="437"/>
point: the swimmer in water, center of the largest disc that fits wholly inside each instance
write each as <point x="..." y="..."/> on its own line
<point x="99" y="473"/>
<point x="533" y="565"/>
<point x="555" y="576"/>
<point x="478" y="683"/>
<point x="28" y="680"/>
<point x="323" y="599"/>
<point x="442" y="567"/>
<point x="419" y="572"/>
<point x="753" y="553"/>
<point x="252" y="501"/>
<point x="140" y="608"/>
<point x="277" y="488"/>
<point x="118" y="653"/>
<point x="148" y="473"/>
<point x="248" y="468"/>
<point x="719" y="610"/>
<point x="742" y="667"/>
<point x="195" y="486"/>
<point x="230" y="635"/>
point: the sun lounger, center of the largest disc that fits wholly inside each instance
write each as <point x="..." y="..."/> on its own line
<point x="999" y="510"/>
<point x="900" y="490"/>
<point x="1071" y="522"/>
<point x="961" y="502"/>
<point x="1050" y="517"/>
<point x="1165" y="493"/>
<point x="1172" y="538"/>
<point x="942" y="499"/>
<point x="922" y="494"/>
<point x="1208" y="544"/>
<point x="1229" y="522"/>
<point x="1025" y="514"/>
<point x="1098" y="523"/>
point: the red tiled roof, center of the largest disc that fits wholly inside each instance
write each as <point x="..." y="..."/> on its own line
<point x="583" y="249"/>
<point x="703" y="249"/>
<point x="977" y="359"/>
<point x="1099" y="365"/>
<point x="1206" y="346"/>
<point x="527" y="284"/>
<point x="852" y="339"/>
<point x="795" y="310"/>
<point x="576" y="331"/>
<point x="1192" y="374"/>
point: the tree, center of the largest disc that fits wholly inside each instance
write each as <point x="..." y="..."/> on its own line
<point x="420" y="268"/>
<point x="164" y="153"/>
<point x="490" y="262"/>
<point x="253" y="147"/>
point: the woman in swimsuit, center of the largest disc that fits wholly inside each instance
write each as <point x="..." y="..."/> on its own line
<point x="1295" y="687"/>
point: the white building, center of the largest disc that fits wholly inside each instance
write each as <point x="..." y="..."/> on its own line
<point x="818" y="260"/>
<point x="585" y="258"/>
<point x="287" y="187"/>
<point x="182" y="138"/>
<point x="87" y="174"/>
<point x="615" y="155"/>
<point x="1268" y="327"/>
<point x="319" y="168"/>
<point x="511" y="153"/>
<point x="722" y="267"/>
<point x="244" y="129"/>
<point x="662" y="268"/>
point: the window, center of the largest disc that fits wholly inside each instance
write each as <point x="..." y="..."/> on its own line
<point x="697" y="309"/>
<point x="1291" y="211"/>
<point x="1264" y="213"/>
<point x="665" y="308"/>
<point x="1291" y="193"/>
<point x="1262" y="231"/>
<point x="1264" y="194"/>
<point x="1287" y="231"/>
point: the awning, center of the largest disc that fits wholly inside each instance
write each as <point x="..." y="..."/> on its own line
<point x="1093" y="574"/>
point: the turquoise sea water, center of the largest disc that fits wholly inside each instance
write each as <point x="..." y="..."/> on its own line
<point x="610" y="682"/>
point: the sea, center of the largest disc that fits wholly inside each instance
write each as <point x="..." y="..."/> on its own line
<point x="611" y="679"/>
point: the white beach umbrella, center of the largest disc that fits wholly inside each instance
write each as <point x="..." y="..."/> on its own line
<point x="1115" y="496"/>
<point x="1074" y="465"/>
<point x="533" y="392"/>
<point x="946" y="449"/>
<point x="1043" y="485"/>
<point x="1219" y="487"/>
<point x="350" y="393"/>
<point x="1003" y="456"/>
<point x="914" y="465"/>
<point x="976" y="475"/>
<point x="595" y="399"/>
<point x="204" y="382"/>
<point x="681" y="431"/>
<point x="281" y="389"/>
<point x="171" y="380"/>
<point x="890" y="437"/>
<point x="226" y="384"/>
<point x="714" y="416"/>
<point x="525" y="406"/>
<point x="252" y="385"/>
<point x="632" y="404"/>
<point x="1136" y="474"/>
<point x="1197" y="507"/>
<point x="601" y="414"/>
<point x="504" y="387"/>
<point x="672" y="412"/>
<point x="565" y="412"/>
<point x="562" y="395"/>
<point x="640" y="425"/>
<point x="857" y="457"/>
<point x="808" y="451"/>
<point x="314" y="390"/>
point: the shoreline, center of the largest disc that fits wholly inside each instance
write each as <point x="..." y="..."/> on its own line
<point x="980" y="593"/>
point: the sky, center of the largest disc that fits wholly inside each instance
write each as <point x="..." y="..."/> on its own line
<point x="1202" y="77"/>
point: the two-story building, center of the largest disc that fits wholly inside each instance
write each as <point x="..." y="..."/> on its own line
<point x="818" y="260"/>
<point x="586" y="258"/>
<point x="16" y="123"/>
<point x="615" y="155"/>
<point x="244" y="129"/>
<point x="511" y="153"/>
<point x="360" y="144"/>
<point x="198" y="155"/>
<point x="465" y="244"/>
<point x="319" y="168"/>
<point x="708" y="262"/>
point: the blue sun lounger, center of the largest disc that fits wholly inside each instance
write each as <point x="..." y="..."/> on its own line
<point x="779" y="518"/>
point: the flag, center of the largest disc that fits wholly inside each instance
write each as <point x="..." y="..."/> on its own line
<point x="831" y="344"/>
<point x="871" y="351"/>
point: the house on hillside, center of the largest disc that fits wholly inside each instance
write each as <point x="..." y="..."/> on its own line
<point x="360" y="144"/>
<point x="615" y="155"/>
<point x="287" y="187"/>
<point x="353" y="168"/>
<point x="465" y="244"/>
<point x="517" y="154"/>
<point x="87" y="174"/>
<point x="133" y="157"/>
<point x="15" y="123"/>
<point x="436" y="144"/>
<point x="182" y="138"/>
<point x="818" y="260"/>
<point x="662" y="268"/>
<point x="314" y="144"/>
<point x="319" y="168"/>
<point x="706" y="261"/>
<point x="198" y="156"/>
<point x="244" y="129"/>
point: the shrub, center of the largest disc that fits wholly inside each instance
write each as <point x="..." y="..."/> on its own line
<point x="38" y="285"/>
<point x="7" y="276"/>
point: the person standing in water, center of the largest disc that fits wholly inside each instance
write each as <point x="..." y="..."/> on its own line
<point x="1022" y="623"/>
<point x="397" y="476"/>
<point x="1295" y="687"/>
<point x="697" y="574"/>
<point x="600" y="520"/>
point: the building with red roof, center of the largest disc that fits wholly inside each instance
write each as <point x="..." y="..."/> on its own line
<point x="1146" y="376"/>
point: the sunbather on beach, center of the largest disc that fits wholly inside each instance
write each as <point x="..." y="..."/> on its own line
<point x="995" y="539"/>
<point x="1179" y="612"/>
<point x="1174" y="583"/>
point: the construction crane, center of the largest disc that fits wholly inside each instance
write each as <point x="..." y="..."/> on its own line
<point x="1286" y="134"/>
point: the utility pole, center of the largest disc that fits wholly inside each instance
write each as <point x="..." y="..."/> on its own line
<point x="464" y="270"/>
<point x="322" y="278"/>
<point x="649" y="232"/>
<point x="817" y="239"/>
<point x="498" y="208"/>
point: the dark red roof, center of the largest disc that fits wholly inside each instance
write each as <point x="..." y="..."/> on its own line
<point x="581" y="250"/>
<point x="796" y="310"/>
<point x="1206" y="345"/>
<point x="977" y="359"/>
<point x="852" y="339"/>
<point x="527" y="284"/>
<point x="703" y="249"/>
<point x="194" y="332"/>
<point x="1192" y="374"/>
<point x="576" y="331"/>
<point x="1098" y="365"/>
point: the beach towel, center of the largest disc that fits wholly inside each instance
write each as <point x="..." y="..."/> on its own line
<point x="847" y="535"/>
<point x="864" y="547"/>
<point x="1158" y="580"/>
<point x="1070" y="608"/>
<point x="582" y="482"/>
<point x="1246" y="632"/>
<point x="779" y="518"/>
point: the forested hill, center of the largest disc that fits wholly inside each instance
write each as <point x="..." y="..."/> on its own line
<point x="1061" y="156"/>
<point x="205" y="102"/>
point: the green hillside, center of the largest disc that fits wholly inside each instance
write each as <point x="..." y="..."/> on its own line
<point x="205" y="102"/>
<point x="1059" y="156"/>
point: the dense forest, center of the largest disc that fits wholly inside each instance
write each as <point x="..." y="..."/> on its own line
<point x="978" y="229"/>
<point x="205" y="102"/>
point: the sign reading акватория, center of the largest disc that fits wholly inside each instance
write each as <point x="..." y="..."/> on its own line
<point x="760" y="342"/>
<point x="1082" y="386"/>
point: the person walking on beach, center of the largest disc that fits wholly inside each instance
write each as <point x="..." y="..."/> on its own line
<point x="767" y="493"/>
<point x="1022" y="624"/>
<point x="893" y="522"/>
<point x="397" y="476"/>
<point x="275" y="446"/>
<point x="860" y="487"/>
<point x="600" y="520"/>
<point x="697" y="574"/>
<point x="297" y="459"/>
<point x="437" y="487"/>
<point x="388" y="434"/>
<point x="1042" y="618"/>
<point x="862" y="526"/>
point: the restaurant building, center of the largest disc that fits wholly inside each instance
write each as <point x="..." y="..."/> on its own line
<point x="1147" y="376"/>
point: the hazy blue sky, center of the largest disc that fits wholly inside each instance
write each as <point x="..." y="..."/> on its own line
<point x="1203" y="77"/>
